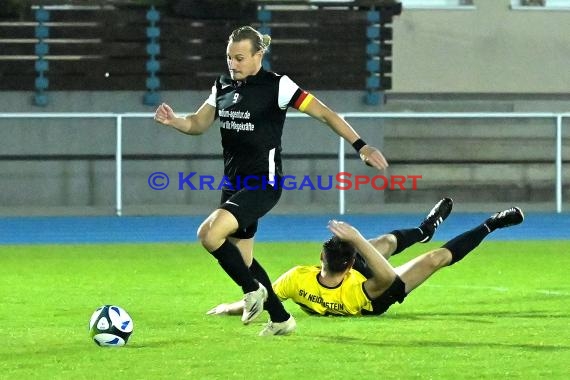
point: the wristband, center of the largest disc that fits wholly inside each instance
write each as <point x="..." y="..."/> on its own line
<point x="358" y="144"/>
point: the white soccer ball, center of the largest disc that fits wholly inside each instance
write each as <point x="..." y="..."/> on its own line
<point x="110" y="326"/>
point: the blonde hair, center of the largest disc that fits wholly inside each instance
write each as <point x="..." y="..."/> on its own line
<point x="259" y="42"/>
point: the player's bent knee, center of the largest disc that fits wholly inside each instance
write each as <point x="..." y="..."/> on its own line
<point x="202" y="231"/>
<point x="208" y="237"/>
<point x="391" y="240"/>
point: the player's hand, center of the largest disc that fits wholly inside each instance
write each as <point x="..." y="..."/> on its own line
<point x="221" y="309"/>
<point x="164" y="114"/>
<point x="344" y="231"/>
<point x="371" y="156"/>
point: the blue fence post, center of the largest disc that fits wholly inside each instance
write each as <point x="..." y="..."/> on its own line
<point x="264" y="18"/>
<point x="41" y="64"/>
<point x="379" y="36"/>
<point x="152" y="96"/>
<point x="373" y="66"/>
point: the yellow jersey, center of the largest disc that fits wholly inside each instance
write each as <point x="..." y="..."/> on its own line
<point x="301" y="285"/>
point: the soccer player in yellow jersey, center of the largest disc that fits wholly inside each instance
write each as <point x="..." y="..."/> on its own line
<point x="355" y="277"/>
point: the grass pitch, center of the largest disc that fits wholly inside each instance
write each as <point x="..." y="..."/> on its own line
<point x="503" y="312"/>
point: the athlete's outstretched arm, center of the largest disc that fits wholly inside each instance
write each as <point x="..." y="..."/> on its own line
<point x="281" y="286"/>
<point x="235" y="308"/>
<point x="369" y="154"/>
<point x="193" y="124"/>
<point x="383" y="273"/>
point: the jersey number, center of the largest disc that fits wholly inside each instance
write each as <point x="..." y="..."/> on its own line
<point x="236" y="97"/>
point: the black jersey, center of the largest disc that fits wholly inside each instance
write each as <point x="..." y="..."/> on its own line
<point x="252" y="114"/>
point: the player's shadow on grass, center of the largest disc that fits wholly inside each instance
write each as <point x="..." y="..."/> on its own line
<point x="479" y="316"/>
<point x="344" y="340"/>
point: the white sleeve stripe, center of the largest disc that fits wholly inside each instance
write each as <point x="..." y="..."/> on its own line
<point x="212" y="98"/>
<point x="287" y="89"/>
<point x="271" y="174"/>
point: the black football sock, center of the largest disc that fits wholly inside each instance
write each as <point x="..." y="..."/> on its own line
<point x="232" y="263"/>
<point x="406" y="238"/>
<point x="273" y="305"/>
<point x="462" y="244"/>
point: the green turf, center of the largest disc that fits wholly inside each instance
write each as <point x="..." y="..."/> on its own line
<point x="503" y="312"/>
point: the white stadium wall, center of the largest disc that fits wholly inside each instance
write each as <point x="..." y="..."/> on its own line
<point x="489" y="49"/>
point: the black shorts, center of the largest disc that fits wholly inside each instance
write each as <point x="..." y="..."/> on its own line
<point x="248" y="204"/>
<point x="395" y="293"/>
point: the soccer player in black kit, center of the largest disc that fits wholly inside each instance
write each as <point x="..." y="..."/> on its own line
<point x="251" y="105"/>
